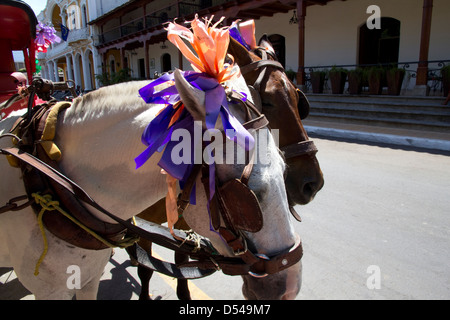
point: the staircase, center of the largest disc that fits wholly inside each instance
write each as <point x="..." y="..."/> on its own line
<point x="403" y="119"/>
<point x="415" y="113"/>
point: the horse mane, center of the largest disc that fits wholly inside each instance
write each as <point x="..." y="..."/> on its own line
<point x="114" y="99"/>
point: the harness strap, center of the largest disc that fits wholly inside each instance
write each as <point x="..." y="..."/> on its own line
<point x="260" y="64"/>
<point x="156" y="233"/>
<point x="298" y="149"/>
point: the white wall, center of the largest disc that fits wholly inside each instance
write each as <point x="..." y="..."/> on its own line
<point x="156" y="53"/>
<point x="332" y="31"/>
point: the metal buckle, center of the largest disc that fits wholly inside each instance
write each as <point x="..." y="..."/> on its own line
<point x="216" y="265"/>
<point x="257" y="275"/>
<point x="239" y="252"/>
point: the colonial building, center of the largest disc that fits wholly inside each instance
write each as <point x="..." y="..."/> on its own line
<point x="74" y="58"/>
<point x="307" y="35"/>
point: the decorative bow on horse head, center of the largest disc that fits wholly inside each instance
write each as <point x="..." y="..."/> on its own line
<point x="192" y="96"/>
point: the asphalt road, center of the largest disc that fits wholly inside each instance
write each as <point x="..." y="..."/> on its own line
<point x="380" y="229"/>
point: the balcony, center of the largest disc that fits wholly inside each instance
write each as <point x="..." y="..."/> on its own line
<point x="78" y="35"/>
<point x="156" y="19"/>
<point x="56" y="49"/>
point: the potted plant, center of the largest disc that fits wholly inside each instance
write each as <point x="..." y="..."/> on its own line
<point x="291" y="74"/>
<point x="338" y="77"/>
<point x="394" y="78"/>
<point x="355" y="81"/>
<point x="317" y="81"/>
<point x="375" y="77"/>
<point x="445" y="73"/>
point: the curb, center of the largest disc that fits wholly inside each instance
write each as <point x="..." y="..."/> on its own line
<point x="414" y="142"/>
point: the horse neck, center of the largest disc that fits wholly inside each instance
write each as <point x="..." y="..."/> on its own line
<point x="100" y="135"/>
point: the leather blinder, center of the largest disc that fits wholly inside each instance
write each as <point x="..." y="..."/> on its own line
<point x="241" y="206"/>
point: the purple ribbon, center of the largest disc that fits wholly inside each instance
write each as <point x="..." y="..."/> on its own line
<point x="44" y="32"/>
<point x="157" y="135"/>
<point x="236" y="35"/>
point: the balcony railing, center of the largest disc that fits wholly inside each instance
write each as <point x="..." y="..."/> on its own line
<point x="434" y="75"/>
<point x="78" y="35"/>
<point x="157" y="18"/>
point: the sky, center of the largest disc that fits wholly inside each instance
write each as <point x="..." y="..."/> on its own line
<point x="36" y="5"/>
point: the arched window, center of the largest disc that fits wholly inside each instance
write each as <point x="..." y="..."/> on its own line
<point x="84" y="17"/>
<point x="380" y="45"/>
<point x="166" y="62"/>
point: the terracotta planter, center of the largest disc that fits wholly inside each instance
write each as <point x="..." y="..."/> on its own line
<point x="338" y="80"/>
<point x="317" y="81"/>
<point x="375" y="78"/>
<point x="355" y="83"/>
<point x="446" y="80"/>
<point x="394" y="81"/>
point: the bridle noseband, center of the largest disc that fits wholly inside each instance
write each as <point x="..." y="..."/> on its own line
<point x="293" y="150"/>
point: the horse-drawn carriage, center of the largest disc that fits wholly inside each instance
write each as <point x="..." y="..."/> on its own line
<point x="18" y="31"/>
<point x="242" y="210"/>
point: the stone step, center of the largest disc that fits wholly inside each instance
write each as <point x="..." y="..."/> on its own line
<point x="419" y="113"/>
<point x="372" y="105"/>
<point x="363" y="98"/>
<point x="379" y="121"/>
<point x="375" y="112"/>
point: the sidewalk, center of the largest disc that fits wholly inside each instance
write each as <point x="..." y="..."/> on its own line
<point x="395" y="136"/>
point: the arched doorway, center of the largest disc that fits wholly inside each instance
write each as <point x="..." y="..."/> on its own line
<point x="166" y="62"/>
<point x="378" y="46"/>
<point x="279" y="45"/>
<point x="56" y="18"/>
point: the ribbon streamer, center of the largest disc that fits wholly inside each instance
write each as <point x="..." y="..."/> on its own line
<point x="45" y="36"/>
<point x="244" y="33"/>
<point x="211" y="45"/>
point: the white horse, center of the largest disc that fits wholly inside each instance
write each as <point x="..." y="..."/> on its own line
<point x="99" y="136"/>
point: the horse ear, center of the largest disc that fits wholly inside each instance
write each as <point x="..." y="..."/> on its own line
<point x="193" y="98"/>
<point x="265" y="43"/>
<point x="240" y="54"/>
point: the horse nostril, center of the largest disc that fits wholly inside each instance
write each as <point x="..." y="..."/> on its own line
<point x="310" y="189"/>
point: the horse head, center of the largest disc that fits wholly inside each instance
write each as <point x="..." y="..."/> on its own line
<point x="276" y="235"/>
<point x="284" y="106"/>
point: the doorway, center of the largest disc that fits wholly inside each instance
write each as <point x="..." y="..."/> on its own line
<point x="380" y="46"/>
<point x="279" y="45"/>
<point x="141" y="63"/>
<point x="166" y="62"/>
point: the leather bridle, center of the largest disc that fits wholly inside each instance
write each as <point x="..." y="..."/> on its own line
<point x="234" y="209"/>
<point x="293" y="150"/>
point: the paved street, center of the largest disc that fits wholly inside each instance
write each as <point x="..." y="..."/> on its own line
<point x="382" y="210"/>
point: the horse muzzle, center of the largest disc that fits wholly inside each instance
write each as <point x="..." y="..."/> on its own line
<point x="284" y="285"/>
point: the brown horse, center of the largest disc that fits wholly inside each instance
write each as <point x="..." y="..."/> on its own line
<point x="284" y="106"/>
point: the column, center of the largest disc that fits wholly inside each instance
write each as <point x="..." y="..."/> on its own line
<point x="69" y="67"/>
<point x="76" y="71"/>
<point x="44" y="71"/>
<point x="147" y="59"/>
<point x="97" y="65"/>
<point x="86" y="71"/>
<point x="50" y="75"/>
<point x="422" y="70"/>
<point x="55" y="70"/>
<point x="301" y="14"/>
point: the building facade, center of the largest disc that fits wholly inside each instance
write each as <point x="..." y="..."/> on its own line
<point x="307" y="35"/>
<point x="75" y="58"/>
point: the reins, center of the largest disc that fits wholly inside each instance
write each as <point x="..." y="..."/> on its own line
<point x="206" y="259"/>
